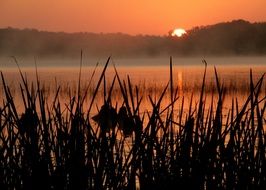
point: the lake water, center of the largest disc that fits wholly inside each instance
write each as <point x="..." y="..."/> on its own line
<point x="150" y="75"/>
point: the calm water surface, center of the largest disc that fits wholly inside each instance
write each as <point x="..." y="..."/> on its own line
<point x="151" y="78"/>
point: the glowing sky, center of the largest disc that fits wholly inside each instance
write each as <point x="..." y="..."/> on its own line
<point x="126" y="16"/>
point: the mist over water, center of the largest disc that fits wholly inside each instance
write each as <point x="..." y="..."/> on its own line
<point x="151" y="75"/>
<point x="231" y="70"/>
<point x="87" y="61"/>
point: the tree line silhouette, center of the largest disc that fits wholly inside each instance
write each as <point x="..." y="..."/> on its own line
<point x="238" y="37"/>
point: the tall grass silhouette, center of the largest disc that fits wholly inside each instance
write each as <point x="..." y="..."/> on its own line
<point x="47" y="147"/>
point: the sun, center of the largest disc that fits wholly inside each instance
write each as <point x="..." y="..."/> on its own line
<point x="178" y="32"/>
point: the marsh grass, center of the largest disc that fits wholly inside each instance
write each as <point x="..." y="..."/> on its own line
<point x="55" y="146"/>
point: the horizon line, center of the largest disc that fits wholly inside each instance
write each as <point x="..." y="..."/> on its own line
<point x="123" y="33"/>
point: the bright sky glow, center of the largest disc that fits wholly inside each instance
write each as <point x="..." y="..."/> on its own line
<point x="179" y="32"/>
<point x="130" y="16"/>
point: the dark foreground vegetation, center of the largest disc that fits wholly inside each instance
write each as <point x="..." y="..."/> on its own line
<point x="47" y="147"/>
<point x="238" y="37"/>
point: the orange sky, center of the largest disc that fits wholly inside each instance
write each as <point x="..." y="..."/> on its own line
<point x="127" y="16"/>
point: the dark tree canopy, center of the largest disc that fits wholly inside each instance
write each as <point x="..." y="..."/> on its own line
<point x="238" y="37"/>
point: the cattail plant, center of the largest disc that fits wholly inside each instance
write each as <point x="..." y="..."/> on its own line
<point x="51" y="145"/>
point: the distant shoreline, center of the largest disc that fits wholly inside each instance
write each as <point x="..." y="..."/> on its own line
<point x="236" y="38"/>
